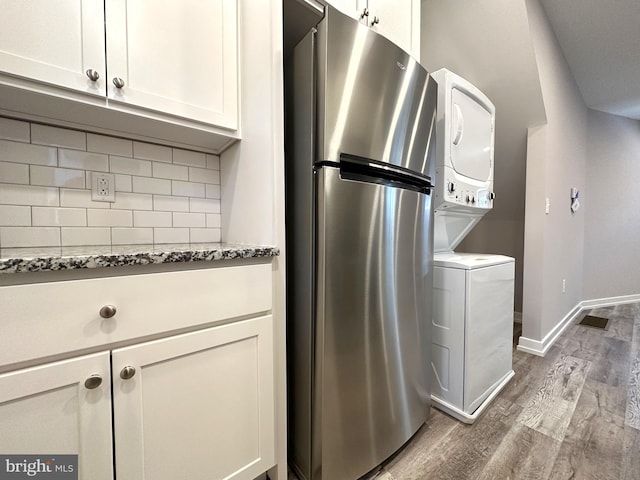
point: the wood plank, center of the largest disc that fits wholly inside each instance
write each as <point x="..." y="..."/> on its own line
<point x="632" y="417"/>
<point x="550" y="410"/>
<point x="465" y="451"/>
<point x="611" y="363"/>
<point x="631" y="457"/>
<point x="523" y="454"/>
<point x="408" y="463"/>
<point x="593" y="444"/>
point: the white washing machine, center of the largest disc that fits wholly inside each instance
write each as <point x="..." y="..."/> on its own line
<point x="472" y="331"/>
<point x="473" y="293"/>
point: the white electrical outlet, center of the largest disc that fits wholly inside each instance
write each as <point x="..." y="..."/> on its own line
<point x="564" y="286"/>
<point x="103" y="187"/>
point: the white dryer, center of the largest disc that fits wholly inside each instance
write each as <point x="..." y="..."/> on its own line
<point x="473" y="293"/>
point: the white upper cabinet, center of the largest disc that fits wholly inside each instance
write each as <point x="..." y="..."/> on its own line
<point x="398" y="20"/>
<point x="174" y="57"/>
<point x="153" y="70"/>
<point x="54" y="42"/>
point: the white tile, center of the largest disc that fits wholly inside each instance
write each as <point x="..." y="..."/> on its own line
<point x="170" y="235"/>
<point x="212" y="191"/>
<point x="15" y="216"/>
<point x="28" y="195"/>
<point x="204" y="176"/>
<point x="80" y="236"/>
<point x="214" y="220"/>
<point x="130" y="166"/>
<point x="109" y="145"/>
<point x="109" y="218"/>
<point x="189" y="158"/>
<point x="133" y="201"/>
<point x="149" y="151"/>
<point x="79" y="198"/>
<point x="97" y="162"/>
<point x="57" y="177"/>
<point x="14" y="173"/>
<point x="58" y="137"/>
<point x="25" y="153"/>
<point x="170" y="171"/>
<point x="187" y="189"/>
<point x="189" y="219"/>
<point x="204" y="205"/>
<point x="14" y="130"/>
<point x="213" y="161"/>
<point x="204" y="235"/>
<point x="59" y="217"/>
<point x="170" y="204"/>
<point x="151" y="185"/>
<point x="152" y="219"/>
<point x="123" y="183"/>
<point x="29" y="237"/>
<point x="131" y="236"/>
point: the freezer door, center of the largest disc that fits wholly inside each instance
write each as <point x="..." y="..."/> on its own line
<point x="373" y="317"/>
<point x="374" y="99"/>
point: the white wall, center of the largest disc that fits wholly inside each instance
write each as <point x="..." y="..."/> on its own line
<point x="612" y="202"/>
<point x="470" y="39"/>
<point x="553" y="249"/>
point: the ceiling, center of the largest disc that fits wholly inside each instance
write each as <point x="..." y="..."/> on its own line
<point x="601" y="42"/>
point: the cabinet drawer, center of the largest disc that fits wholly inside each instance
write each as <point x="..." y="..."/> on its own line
<point x="46" y="319"/>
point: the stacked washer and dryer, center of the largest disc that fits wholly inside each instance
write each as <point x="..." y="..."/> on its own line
<point x="473" y="293"/>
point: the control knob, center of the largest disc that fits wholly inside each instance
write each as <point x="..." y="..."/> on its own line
<point x="451" y="187"/>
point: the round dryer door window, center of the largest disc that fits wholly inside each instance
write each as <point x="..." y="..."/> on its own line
<point x="471" y="137"/>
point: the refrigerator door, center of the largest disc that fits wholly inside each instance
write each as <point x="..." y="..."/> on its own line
<point x="373" y="312"/>
<point x="374" y="100"/>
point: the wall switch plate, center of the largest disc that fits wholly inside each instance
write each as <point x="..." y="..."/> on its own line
<point x="103" y="187"/>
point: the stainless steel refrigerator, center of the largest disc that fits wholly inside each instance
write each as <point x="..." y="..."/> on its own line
<point x="360" y="133"/>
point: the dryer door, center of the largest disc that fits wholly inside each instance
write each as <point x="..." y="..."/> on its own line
<point x="471" y="137"/>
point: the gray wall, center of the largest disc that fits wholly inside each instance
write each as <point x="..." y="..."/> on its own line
<point x="612" y="203"/>
<point x="470" y="39"/>
<point x="556" y="162"/>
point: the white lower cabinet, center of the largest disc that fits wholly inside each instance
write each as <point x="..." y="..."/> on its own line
<point x="196" y="406"/>
<point x="153" y="403"/>
<point x="48" y="410"/>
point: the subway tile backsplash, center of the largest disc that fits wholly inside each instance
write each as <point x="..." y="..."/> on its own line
<point x="162" y="194"/>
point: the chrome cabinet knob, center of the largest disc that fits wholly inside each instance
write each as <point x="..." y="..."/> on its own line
<point x="375" y="21"/>
<point x="365" y="13"/>
<point x="127" y="372"/>
<point x="94" y="381"/>
<point x="118" y="82"/>
<point x="93" y="75"/>
<point x="108" y="311"/>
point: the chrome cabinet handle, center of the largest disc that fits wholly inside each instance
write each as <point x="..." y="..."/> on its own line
<point x="375" y="21"/>
<point x="127" y="372"/>
<point x="118" y="82"/>
<point x="94" y="381"/>
<point x="365" y="13"/>
<point x="108" y="311"/>
<point x="93" y="75"/>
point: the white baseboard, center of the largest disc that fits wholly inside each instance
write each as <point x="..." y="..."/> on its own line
<point x="541" y="347"/>
<point x="610" y="302"/>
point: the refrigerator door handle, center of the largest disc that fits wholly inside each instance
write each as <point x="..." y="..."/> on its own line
<point x="368" y="170"/>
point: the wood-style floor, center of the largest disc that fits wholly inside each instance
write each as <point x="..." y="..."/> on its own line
<point x="573" y="414"/>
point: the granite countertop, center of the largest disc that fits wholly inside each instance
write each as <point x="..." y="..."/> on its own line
<point x="46" y="259"/>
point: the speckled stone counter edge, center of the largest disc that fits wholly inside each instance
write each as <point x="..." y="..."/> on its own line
<point x="30" y="260"/>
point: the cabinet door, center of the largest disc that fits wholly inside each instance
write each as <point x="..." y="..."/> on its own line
<point x="179" y="58"/>
<point x="399" y="21"/>
<point x="199" y="405"/>
<point x="353" y="8"/>
<point x="48" y="410"/>
<point x="54" y="41"/>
